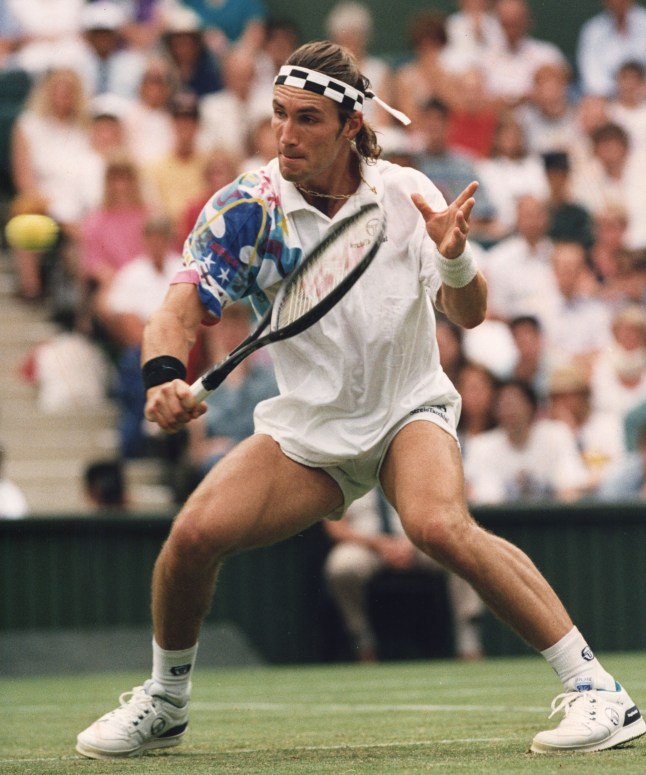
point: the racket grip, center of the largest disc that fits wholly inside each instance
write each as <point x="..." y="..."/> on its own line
<point x="199" y="391"/>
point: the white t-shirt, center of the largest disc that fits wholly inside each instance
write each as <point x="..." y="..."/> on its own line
<point x="348" y="380"/>
<point x="548" y="464"/>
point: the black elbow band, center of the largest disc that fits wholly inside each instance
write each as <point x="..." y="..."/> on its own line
<point x="165" y="368"/>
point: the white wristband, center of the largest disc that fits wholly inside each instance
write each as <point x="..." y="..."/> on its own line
<point x="457" y="272"/>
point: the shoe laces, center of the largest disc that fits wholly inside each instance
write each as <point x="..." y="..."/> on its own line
<point x="566" y="700"/>
<point x="134" y="706"/>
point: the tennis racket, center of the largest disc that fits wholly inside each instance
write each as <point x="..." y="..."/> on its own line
<point x="319" y="282"/>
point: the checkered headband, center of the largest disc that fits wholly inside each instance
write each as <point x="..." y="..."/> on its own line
<point x="347" y="96"/>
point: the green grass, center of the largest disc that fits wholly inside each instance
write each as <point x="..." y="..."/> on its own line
<point x="392" y="719"/>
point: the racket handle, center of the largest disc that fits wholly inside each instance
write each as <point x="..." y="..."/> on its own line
<point x="199" y="391"/>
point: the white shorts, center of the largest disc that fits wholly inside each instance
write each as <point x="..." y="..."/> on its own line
<point x="358" y="476"/>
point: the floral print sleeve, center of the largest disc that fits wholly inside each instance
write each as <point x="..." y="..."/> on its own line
<point x="239" y="246"/>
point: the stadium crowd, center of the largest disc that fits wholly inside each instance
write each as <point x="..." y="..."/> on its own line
<point x="138" y="109"/>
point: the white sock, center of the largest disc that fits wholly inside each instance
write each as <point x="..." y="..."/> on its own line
<point x="575" y="664"/>
<point x="172" y="672"/>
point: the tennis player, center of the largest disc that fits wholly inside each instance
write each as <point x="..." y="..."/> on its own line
<point x="363" y="400"/>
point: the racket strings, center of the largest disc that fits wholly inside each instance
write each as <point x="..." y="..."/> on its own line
<point x="324" y="273"/>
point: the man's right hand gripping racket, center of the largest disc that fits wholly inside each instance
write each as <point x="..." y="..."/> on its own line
<point x="320" y="281"/>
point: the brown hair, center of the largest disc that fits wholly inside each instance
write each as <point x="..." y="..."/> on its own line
<point x="337" y="62"/>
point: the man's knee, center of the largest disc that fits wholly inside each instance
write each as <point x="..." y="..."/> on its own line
<point x="444" y="534"/>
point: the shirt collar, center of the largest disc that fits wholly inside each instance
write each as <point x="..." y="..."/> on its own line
<point x="371" y="189"/>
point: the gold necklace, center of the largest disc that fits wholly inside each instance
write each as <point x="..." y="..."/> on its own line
<point x="325" y="196"/>
<point x="340" y="197"/>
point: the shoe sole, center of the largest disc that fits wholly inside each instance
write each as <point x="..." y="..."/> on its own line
<point x="621" y="737"/>
<point x="96" y="753"/>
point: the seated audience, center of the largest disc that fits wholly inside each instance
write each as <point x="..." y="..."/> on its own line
<point x="599" y="434"/>
<point x="619" y="372"/>
<point x="134" y="293"/>
<point x="368" y="539"/>
<point x="626" y="481"/>
<point x="230" y="416"/>
<point x="519" y="268"/>
<point x="451" y="171"/>
<point x="526" y="458"/>
<point x="511" y="172"/>
<point x="477" y="387"/>
<point x="13" y="503"/>
<point x="607" y="40"/>
<point x="177" y="178"/>
<point x="510" y="67"/>
<point x="104" y="485"/>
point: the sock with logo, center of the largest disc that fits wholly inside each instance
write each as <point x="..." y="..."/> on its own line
<point x="575" y="664"/>
<point x="171" y="677"/>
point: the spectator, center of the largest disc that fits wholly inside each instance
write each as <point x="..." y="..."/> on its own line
<point x="510" y="68"/>
<point x="569" y="221"/>
<point x="227" y="116"/>
<point x="519" y="267"/>
<point x="196" y="67"/>
<point x="598" y="434"/>
<point x="135" y="292"/>
<point x="606" y="41"/>
<point x="474" y="30"/>
<point x="111" y="234"/>
<point x="619" y="372"/>
<point x="69" y="370"/>
<point x="261" y="147"/>
<point x="473" y="116"/>
<point x="576" y="324"/>
<point x="104" y="485"/>
<point x="430" y="73"/>
<point x="230" y="416"/>
<point x="451" y="170"/>
<point x="591" y="113"/>
<point x="526" y="458"/>
<point x="147" y="119"/>
<point x="177" y="178"/>
<point x="108" y="66"/>
<point x="628" y="108"/>
<point x="613" y="176"/>
<point x="48" y="34"/>
<point x="13" y="503"/>
<point x="609" y="230"/>
<point x="350" y="24"/>
<point x="548" y="117"/>
<point x="626" y="480"/>
<point x="477" y="386"/>
<point x="220" y="168"/>
<point x="52" y="163"/>
<point x="368" y="539"/>
<point x="511" y="172"/>
<point x="449" y="342"/>
<point x="531" y="365"/>
<point x="282" y="37"/>
<point x="241" y="21"/>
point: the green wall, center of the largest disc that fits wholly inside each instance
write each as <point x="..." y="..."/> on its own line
<point x="555" y="20"/>
<point x="80" y="574"/>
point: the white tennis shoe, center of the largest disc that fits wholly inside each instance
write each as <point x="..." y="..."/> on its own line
<point x="594" y="720"/>
<point x="140" y="723"/>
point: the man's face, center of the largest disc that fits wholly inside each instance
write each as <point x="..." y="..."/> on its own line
<point x="309" y="135"/>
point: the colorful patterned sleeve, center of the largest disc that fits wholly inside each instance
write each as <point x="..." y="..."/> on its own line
<point x="238" y="246"/>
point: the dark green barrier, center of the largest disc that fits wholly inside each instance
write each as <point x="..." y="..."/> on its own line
<point x="95" y="572"/>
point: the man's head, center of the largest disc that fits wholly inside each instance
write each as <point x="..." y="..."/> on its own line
<point x="318" y="111"/>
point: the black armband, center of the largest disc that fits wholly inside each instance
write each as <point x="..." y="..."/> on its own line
<point x="165" y="368"/>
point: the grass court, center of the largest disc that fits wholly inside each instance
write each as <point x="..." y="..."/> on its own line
<point x="387" y="719"/>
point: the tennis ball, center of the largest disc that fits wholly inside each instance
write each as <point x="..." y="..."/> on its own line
<point x="31" y="231"/>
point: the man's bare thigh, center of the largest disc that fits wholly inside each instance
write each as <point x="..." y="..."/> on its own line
<point x="256" y="496"/>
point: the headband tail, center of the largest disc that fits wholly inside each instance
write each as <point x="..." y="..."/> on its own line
<point x="393" y="112"/>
